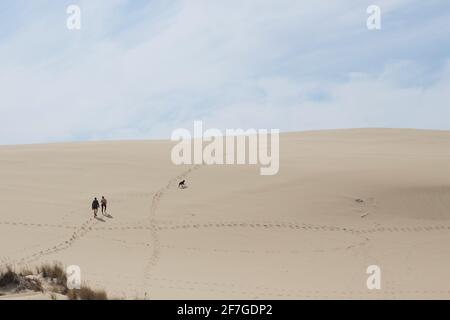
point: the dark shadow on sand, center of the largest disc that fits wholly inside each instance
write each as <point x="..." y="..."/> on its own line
<point x="100" y="219"/>
<point x="108" y="216"/>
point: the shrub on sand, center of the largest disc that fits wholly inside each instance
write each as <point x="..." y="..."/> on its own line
<point x="9" y="277"/>
<point x="51" y="277"/>
<point x="86" y="293"/>
<point x="53" y="271"/>
<point x="12" y="280"/>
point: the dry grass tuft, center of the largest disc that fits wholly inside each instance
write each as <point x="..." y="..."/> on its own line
<point x="86" y="293"/>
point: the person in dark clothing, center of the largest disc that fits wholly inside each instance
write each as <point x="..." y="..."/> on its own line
<point x="95" y="206"/>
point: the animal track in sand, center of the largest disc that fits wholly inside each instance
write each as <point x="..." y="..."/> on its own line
<point x="297" y="226"/>
<point x="80" y="232"/>
<point x="267" y="251"/>
<point x="153" y="227"/>
<point x="36" y="225"/>
<point x="240" y="224"/>
<point x="364" y="206"/>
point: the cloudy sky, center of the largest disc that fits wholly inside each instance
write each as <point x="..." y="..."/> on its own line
<point x="140" y="69"/>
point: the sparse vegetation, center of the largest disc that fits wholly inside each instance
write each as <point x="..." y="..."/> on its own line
<point x="26" y="272"/>
<point x="86" y="293"/>
<point x="12" y="280"/>
<point x="49" y="278"/>
<point x="54" y="272"/>
<point x="9" y="277"/>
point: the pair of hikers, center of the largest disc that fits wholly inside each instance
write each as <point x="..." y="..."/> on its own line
<point x="96" y="205"/>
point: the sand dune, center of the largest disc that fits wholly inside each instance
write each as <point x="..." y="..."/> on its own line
<point x="343" y="200"/>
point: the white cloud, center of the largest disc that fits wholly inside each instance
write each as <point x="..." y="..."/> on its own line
<point x="141" y="71"/>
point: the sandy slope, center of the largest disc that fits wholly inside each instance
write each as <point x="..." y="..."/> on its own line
<point x="234" y="233"/>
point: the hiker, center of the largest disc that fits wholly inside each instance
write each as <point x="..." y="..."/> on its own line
<point x="103" y="202"/>
<point x="95" y="206"/>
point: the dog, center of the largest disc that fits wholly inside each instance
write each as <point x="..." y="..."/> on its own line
<point x="182" y="184"/>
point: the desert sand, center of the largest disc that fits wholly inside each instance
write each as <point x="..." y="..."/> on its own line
<point x="342" y="200"/>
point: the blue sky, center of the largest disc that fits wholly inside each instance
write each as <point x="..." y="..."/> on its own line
<point x="140" y="69"/>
